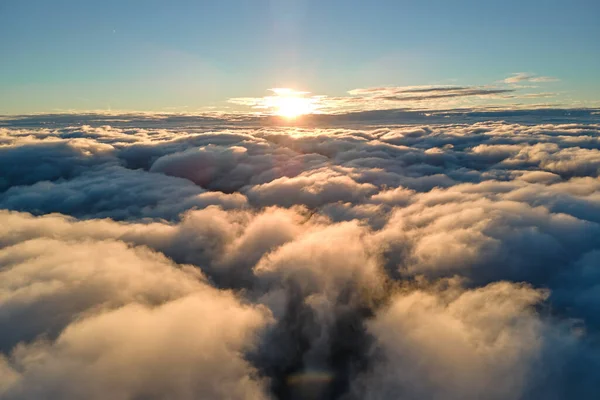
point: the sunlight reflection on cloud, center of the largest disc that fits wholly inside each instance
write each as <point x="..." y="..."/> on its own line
<point x="248" y="261"/>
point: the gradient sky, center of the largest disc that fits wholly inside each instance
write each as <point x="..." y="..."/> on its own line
<point x="188" y="55"/>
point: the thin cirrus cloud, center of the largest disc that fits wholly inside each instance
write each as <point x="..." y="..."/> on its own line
<point x="425" y="93"/>
<point x="519" y="77"/>
<point x="427" y="97"/>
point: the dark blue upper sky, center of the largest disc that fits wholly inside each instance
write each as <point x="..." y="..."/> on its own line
<point x="184" y="55"/>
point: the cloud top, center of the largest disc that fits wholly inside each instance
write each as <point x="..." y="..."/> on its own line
<point x="165" y="258"/>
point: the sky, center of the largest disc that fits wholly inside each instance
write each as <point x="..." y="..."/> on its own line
<point x="299" y="200"/>
<point x="196" y="55"/>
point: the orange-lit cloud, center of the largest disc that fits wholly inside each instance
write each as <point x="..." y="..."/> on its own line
<point x="290" y="103"/>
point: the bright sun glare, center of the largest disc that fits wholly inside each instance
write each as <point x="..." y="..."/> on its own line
<point x="289" y="103"/>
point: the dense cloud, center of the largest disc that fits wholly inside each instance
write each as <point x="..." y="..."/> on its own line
<point x="179" y="261"/>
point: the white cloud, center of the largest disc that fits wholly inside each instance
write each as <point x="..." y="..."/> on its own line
<point x="519" y="77"/>
<point x="451" y="260"/>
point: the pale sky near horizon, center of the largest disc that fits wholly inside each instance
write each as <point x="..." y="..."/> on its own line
<point x="191" y="55"/>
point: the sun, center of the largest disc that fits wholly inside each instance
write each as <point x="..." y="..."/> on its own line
<point x="292" y="107"/>
<point x="289" y="103"/>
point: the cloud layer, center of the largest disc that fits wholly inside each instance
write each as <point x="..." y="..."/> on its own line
<point x="511" y="92"/>
<point x="173" y="260"/>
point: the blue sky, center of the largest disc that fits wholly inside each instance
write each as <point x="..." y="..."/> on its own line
<point x="187" y="55"/>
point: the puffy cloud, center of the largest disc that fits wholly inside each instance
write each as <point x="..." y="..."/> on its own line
<point x="229" y="168"/>
<point x="117" y="193"/>
<point x="32" y="161"/>
<point x="455" y="344"/>
<point x="171" y="258"/>
<point x="315" y="189"/>
<point x="176" y="350"/>
<point x="96" y="318"/>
